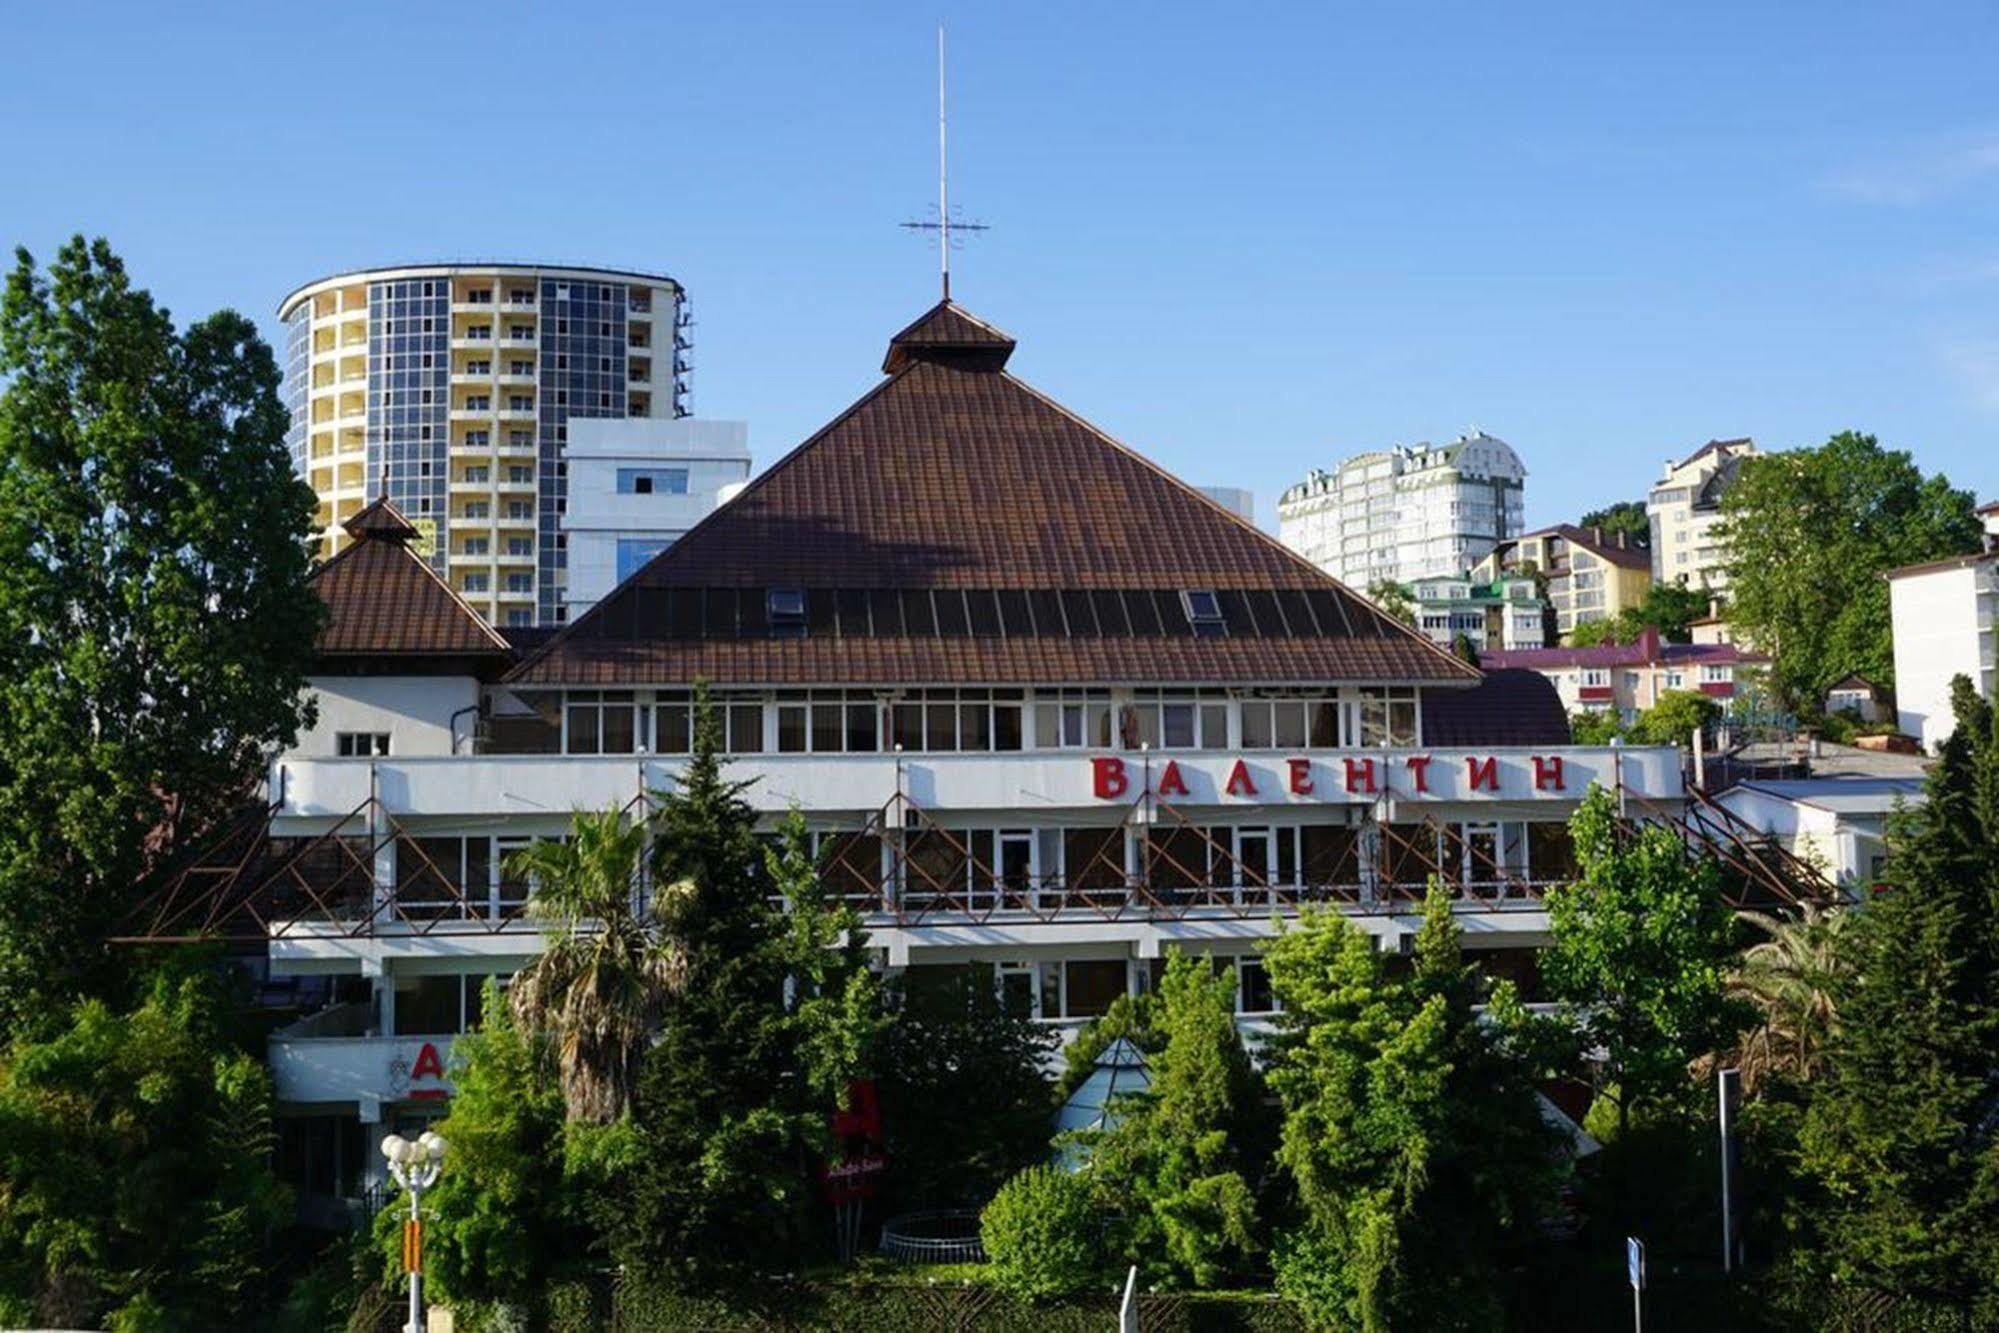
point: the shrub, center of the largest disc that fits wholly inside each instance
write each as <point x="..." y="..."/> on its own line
<point x="1043" y="1235"/>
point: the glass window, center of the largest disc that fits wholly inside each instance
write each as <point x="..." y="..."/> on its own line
<point x="673" y="726"/>
<point x="861" y="727"/>
<point x="429" y="1006"/>
<point x="975" y="726"/>
<point x="940" y="726"/>
<point x="746" y="729"/>
<point x="1257" y="733"/>
<point x="1090" y="985"/>
<point x="1288" y="724"/>
<point x="791" y="728"/>
<point x="1215" y="726"/>
<point x="652" y="481"/>
<point x="1253" y="993"/>
<point x="1006" y="726"/>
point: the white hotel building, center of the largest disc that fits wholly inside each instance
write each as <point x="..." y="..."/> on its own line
<point x="1407" y="513"/>
<point x="1047" y="709"/>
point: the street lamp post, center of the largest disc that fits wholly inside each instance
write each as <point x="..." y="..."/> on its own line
<point x="415" y="1165"/>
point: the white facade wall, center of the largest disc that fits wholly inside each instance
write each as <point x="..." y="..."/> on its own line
<point x="417" y="713"/>
<point x="1849" y="845"/>
<point x="1943" y="623"/>
<point x="1686" y="548"/>
<point x="714" y="454"/>
<point x="1407" y="513"/>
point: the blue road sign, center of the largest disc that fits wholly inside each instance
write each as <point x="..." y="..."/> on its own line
<point x="1634" y="1261"/>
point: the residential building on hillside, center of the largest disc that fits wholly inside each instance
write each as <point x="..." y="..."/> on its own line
<point x="636" y="484"/>
<point x="1506" y="612"/>
<point x="1859" y="696"/>
<point x="1590" y="574"/>
<point x="1711" y="629"/>
<point x="1628" y="678"/>
<point x="1016" y="744"/>
<point x="1685" y="505"/>
<point x="1406" y="513"/>
<point x="450" y="389"/>
<point x="1945" y="619"/>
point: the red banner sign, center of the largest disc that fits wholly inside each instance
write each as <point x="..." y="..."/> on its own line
<point x="1113" y="777"/>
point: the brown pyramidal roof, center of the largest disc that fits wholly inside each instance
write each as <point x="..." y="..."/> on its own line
<point x="384" y="600"/>
<point x="955" y="525"/>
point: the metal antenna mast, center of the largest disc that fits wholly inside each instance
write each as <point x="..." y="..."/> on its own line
<point x="944" y="225"/>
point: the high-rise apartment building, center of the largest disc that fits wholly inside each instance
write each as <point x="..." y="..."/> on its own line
<point x="449" y="388"/>
<point x="1407" y="513"/>
<point x="1685" y="505"/>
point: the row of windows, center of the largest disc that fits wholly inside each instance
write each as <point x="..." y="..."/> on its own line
<point x="945" y="721"/>
<point x="974" y="868"/>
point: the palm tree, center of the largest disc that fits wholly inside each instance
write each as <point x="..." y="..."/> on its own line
<point x="1790" y="979"/>
<point x="610" y="964"/>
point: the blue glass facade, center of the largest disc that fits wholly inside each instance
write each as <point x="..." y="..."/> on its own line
<point x="583" y="353"/>
<point x="298" y="384"/>
<point x="409" y="399"/>
<point x="635" y="553"/>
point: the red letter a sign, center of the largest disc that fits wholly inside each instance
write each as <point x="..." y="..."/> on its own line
<point x="428" y="1063"/>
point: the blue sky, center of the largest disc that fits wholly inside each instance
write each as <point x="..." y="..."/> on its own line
<point x="1244" y="239"/>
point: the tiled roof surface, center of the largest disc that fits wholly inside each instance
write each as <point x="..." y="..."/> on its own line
<point x="949" y="333"/>
<point x="1509" y="707"/>
<point x="1630" y="557"/>
<point x="384" y="601"/>
<point x="955" y="475"/>
<point x="1715" y="446"/>
<point x="379" y="518"/>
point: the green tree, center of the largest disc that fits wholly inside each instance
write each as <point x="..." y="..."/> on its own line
<point x="1595" y="726"/>
<point x="1625" y="516"/>
<point x="1177" y="1166"/>
<point x="1639" y="956"/>
<point x="1393" y="600"/>
<point x="1790" y="979"/>
<point x="155" y="621"/>
<point x="608" y="967"/>
<point x="1666" y="607"/>
<point x="498" y="1223"/>
<point x="1594" y="633"/>
<point x="1464" y="649"/>
<point x="1674" y="717"/>
<point x="1809" y="534"/>
<point x="777" y="1015"/>
<point x="964" y="1093"/>
<point x="1898" y="1140"/>
<point x="1670" y="608"/>
<point x="1044" y="1235"/>
<point x="135" y="1181"/>
<point x="1412" y="1131"/>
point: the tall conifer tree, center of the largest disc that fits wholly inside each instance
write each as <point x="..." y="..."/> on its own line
<point x="1900" y="1141"/>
